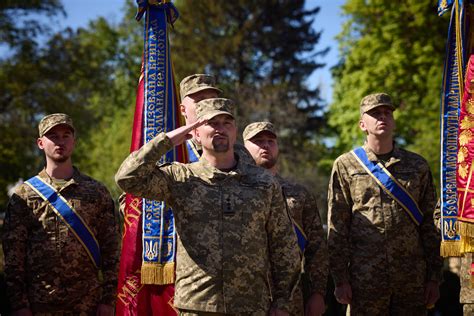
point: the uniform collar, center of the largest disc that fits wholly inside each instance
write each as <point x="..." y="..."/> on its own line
<point x="208" y="172"/>
<point x="76" y="177"/>
<point x="395" y="156"/>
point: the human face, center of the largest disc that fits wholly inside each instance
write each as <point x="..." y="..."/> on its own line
<point x="264" y="149"/>
<point x="188" y="104"/>
<point x="218" y="134"/>
<point x="378" y="122"/>
<point x="57" y="144"/>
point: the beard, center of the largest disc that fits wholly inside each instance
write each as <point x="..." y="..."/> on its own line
<point x="60" y="159"/>
<point x="267" y="163"/>
<point x="220" y="145"/>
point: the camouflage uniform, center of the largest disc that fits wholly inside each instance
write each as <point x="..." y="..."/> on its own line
<point x="373" y="244"/>
<point x="46" y="268"/>
<point x="467" y="292"/>
<point x="197" y="82"/>
<point x="234" y="235"/>
<point x="304" y="211"/>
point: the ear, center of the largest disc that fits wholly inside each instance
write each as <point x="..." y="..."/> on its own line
<point x="182" y="109"/>
<point x="362" y="125"/>
<point x="39" y="142"/>
<point x="197" y="135"/>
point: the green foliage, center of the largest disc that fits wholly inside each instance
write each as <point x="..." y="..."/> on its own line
<point x="18" y="25"/>
<point x="396" y="47"/>
<point x="262" y="53"/>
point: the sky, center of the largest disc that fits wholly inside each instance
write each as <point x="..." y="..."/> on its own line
<point x="329" y="21"/>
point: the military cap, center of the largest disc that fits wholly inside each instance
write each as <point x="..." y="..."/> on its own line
<point x="372" y="101"/>
<point x="208" y="108"/>
<point x="197" y="82"/>
<point x="52" y="120"/>
<point x="254" y="128"/>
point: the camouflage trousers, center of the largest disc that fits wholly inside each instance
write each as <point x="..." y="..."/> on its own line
<point x="404" y="302"/>
<point x="468" y="309"/>
<point x="183" y="312"/>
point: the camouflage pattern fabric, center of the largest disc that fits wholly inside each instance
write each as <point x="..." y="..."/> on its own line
<point x="468" y="309"/>
<point x="233" y="231"/>
<point x="52" y="120"/>
<point x="373" y="243"/>
<point x="375" y="100"/>
<point x="253" y="129"/>
<point x="46" y="268"/>
<point x="466" y="296"/>
<point x="304" y="211"/>
<point x="195" y="83"/>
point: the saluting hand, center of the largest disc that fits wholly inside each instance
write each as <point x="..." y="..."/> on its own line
<point x="179" y="135"/>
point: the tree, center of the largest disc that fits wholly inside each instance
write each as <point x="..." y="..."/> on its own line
<point x="398" y="48"/>
<point x="262" y="53"/>
<point x="18" y="27"/>
<point x="74" y="73"/>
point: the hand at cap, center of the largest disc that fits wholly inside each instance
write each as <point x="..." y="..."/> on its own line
<point x="179" y="135"/>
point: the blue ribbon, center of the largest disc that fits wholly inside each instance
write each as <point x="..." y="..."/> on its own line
<point x="450" y="107"/>
<point x="389" y="184"/>
<point x="159" y="116"/>
<point x="302" y="241"/>
<point x="193" y="154"/>
<point x="444" y="6"/>
<point x="172" y="13"/>
<point x="69" y="216"/>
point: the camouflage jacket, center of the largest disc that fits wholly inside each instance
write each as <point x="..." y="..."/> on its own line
<point x="467" y="291"/>
<point x="46" y="268"/>
<point x="304" y="211"/>
<point x="372" y="241"/>
<point x="233" y="230"/>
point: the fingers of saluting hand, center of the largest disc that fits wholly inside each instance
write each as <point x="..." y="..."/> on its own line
<point x="181" y="134"/>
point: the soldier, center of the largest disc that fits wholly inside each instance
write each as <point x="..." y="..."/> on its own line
<point x="234" y="235"/>
<point x="193" y="89"/>
<point x="261" y="141"/>
<point x="467" y="291"/>
<point x="60" y="234"/>
<point x="382" y="239"/>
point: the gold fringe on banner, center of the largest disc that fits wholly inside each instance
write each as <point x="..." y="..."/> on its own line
<point x="160" y="274"/>
<point x="450" y="248"/>
<point x="467" y="244"/>
<point x="465" y="228"/>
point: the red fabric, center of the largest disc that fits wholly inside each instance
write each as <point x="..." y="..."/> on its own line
<point x="465" y="170"/>
<point x="133" y="298"/>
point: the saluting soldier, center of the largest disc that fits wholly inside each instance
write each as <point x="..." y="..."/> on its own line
<point x="234" y="235"/>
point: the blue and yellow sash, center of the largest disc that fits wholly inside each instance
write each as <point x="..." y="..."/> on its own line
<point x="302" y="239"/>
<point x="65" y="211"/>
<point x="389" y="184"/>
<point x="300" y="235"/>
<point x="193" y="153"/>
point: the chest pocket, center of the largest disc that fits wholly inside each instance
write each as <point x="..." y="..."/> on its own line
<point x="364" y="190"/>
<point x="409" y="181"/>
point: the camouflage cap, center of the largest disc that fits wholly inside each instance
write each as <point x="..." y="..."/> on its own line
<point x="372" y="101"/>
<point x="254" y="128"/>
<point x="52" y="120"/>
<point x="207" y="109"/>
<point x="197" y="82"/>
